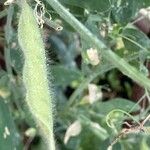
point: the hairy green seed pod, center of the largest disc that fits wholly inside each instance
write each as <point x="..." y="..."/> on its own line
<point x="38" y="95"/>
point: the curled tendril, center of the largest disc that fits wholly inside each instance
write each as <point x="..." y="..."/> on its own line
<point x="39" y="12"/>
<point x="108" y="117"/>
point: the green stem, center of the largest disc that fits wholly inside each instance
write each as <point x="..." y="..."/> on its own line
<point x="53" y="24"/>
<point x="102" y="69"/>
<point x="85" y="83"/>
<point x="106" y="52"/>
<point x="3" y="13"/>
<point x="8" y="37"/>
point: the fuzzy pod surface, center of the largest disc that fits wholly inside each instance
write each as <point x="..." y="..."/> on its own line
<point x="38" y="96"/>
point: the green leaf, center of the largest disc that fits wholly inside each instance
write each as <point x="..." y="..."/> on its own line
<point x="64" y="76"/>
<point x="144" y="145"/>
<point x="123" y="10"/>
<point x="116" y="103"/>
<point x="94" y="127"/>
<point x="94" y="5"/>
<point x="134" y="39"/>
<point x="9" y="137"/>
<point x="144" y="3"/>
<point x="17" y="60"/>
<point x="63" y="51"/>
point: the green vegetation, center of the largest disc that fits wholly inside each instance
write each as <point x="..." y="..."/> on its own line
<point x="74" y="75"/>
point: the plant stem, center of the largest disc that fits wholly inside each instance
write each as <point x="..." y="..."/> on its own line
<point x="53" y="24"/>
<point x="8" y="37"/>
<point x="102" y="69"/>
<point x="106" y="52"/>
<point x="3" y="13"/>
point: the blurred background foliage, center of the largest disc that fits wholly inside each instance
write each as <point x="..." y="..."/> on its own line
<point x="86" y="89"/>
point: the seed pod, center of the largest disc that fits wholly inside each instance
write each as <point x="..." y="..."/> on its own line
<point x="38" y="95"/>
<point x="143" y="20"/>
